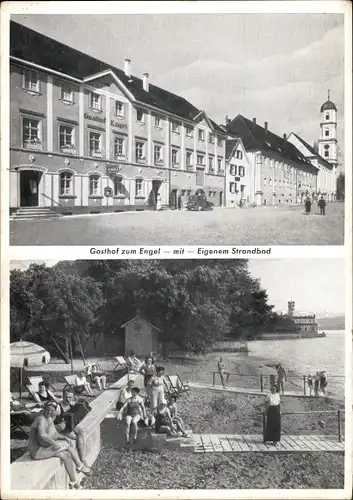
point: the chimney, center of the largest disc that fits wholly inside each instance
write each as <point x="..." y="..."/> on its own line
<point x="266" y="125"/>
<point x="254" y="120"/>
<point x="226" y="120"/>
<point x="146" y="83"/>
<point x="127" y="67"/>
<point x="285" y="137"/>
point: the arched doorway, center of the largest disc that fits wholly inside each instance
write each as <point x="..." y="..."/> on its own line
<point x="29" y="187"/>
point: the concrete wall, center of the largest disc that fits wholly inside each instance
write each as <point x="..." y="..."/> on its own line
<point x="50" y="474"/>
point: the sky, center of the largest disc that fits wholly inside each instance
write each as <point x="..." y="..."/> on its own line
<point x="275" y="67"/>
<point x="316" y="285"/>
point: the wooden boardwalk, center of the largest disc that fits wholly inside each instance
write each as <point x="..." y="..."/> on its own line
<point x="242" y="390"/>
<point x="212" y="443"/>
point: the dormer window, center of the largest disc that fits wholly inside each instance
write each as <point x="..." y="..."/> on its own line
<point x="327" y="116"/>
<point x="95" y="101"/>
<point x="240" y="155"/>
<point x="211" y="138"/>
<point x="220" y="142"/>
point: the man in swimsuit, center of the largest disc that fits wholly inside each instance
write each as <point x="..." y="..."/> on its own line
<point x="281" y="377"/>
<point x="135" y="411"/>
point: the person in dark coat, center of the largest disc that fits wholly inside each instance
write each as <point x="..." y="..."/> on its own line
<point x="273" y="416"/>
<point x="307" y="205"/>
<point x="322" y="205"/>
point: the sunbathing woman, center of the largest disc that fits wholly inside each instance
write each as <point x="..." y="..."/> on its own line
<point x="46" y="442"/>
<point x="135" y="411"/>
<point x="164" y="423"/>
<point x="176" y="420"/>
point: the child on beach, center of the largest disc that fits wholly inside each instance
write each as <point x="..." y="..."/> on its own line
<point x="224" y="376"/>
<point x="281" y="377"/>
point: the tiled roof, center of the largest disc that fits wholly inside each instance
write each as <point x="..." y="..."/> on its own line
<point x="230" y="145"/>
<point x="255" y="137"/>
<point x="34" y="47"/>
<point x="313" y="152"/>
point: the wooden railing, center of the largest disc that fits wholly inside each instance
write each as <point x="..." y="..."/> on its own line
<point x="338" y="412"/>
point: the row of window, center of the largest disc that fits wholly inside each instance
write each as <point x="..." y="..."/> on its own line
<point x="234" y="187"/>
<point x="95" y="185"/>
<point x="237" y="170"/>
<point x="31" y="82"/>
<point x="32" y="139"/>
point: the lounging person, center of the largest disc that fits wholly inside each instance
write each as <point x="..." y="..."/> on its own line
<point x="224" y="376"/>
<point x="176" y="420"/>
<point x="281" y="377"/>
<point x="273" y="416"/>
<point x="68" y="403"/>
<point x="82" y="384"/>
<point x="46" y="442"/>
<point x="98" y="376"/>
<point x="157" y="383"/>
<point x="164" y="423"/>
<point x="323" y="381"/>
<point x="44" y="394"/>
<point x="135" y="411"/>
<point x="134" y="364"/>
<point x="148" y="370"/>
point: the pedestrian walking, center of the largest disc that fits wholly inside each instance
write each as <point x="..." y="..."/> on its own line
<point x="307" y="205"/>
<point x="322" y="205"/>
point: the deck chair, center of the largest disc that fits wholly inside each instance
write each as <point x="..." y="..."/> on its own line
<point x="70" y="381"/>
<point x="34" y="381"/>
<point x="169" y="389"/>
<point x="178" y="385"/>
<point x="121" y="363"/>
<point x="31" y="390"/>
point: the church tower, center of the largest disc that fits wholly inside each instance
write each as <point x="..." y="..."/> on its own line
<point x="327" y="143"/>
<point x="291" y="308"/>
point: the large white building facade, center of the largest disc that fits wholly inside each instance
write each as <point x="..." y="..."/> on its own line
<point x="89" y="137"/>
<point x="276" y="172"/>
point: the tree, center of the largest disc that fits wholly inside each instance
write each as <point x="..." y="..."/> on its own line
<point x="53" y="307"/>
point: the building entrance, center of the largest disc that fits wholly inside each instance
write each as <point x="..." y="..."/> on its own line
<point x="29" y="184"/>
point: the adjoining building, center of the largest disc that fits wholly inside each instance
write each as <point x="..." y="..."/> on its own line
<point x="277" y="170"/>
<point x="239" y="175"/>
<point x="89" y="137"/>
<point x="324" y="155"/>
<point x="306" y="324"/>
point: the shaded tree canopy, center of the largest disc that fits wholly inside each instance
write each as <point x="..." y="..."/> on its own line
<point x="193" y="302"/>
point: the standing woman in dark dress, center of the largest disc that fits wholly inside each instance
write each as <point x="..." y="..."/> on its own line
<point x="273" y="416"/>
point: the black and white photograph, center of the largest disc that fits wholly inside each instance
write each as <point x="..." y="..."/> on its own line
<point x="176" y="242"/>
<point x="146" y="129"/>
<point x="177" y="374"/>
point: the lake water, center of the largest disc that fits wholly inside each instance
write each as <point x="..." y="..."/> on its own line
<point x="308" y="355"/>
